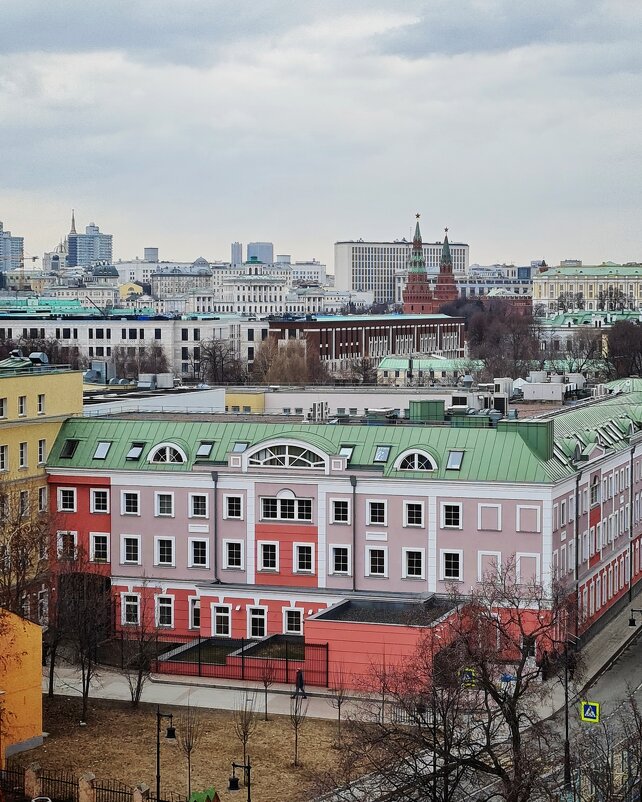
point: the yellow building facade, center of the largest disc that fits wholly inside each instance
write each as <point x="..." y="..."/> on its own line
<point x="252" y="401"/>
<point x="20" y="685"/>
<point x="599" y="286"/>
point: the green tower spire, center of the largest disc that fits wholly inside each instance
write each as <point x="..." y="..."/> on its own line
<point x="417" y="261"/>
<point x="446" y="257"/>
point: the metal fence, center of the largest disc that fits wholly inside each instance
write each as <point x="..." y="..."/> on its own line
<point x="12" y="781"/>
<point x="59" y="785"/>
<point x="112" y="791"/>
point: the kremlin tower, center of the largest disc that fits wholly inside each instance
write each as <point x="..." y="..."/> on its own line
<point x="418" y="296"/>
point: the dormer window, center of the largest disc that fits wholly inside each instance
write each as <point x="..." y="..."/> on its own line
<point x="167" y="453"/>
<point x="286" y="456"/>
<point x="416" y="461"/>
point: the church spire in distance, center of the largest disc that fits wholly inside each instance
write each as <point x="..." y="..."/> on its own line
<point x="72" y="230"/>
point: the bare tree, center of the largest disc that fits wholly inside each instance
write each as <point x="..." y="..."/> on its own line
<point x="268" y="677"/>
<point x="220" y="364"/>
<point x="292" y="362"/>
<point x="338" y="694"/>
<point x="298" y="715"/>
<point x="245" y="719"/>
<point x="140" y="646"/>
<point x="191" y="727"/>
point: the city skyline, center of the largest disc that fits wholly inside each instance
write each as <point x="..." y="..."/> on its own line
<point x="303" y="125"/>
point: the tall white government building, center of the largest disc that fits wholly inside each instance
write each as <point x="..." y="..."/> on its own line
<point x="371" y="266"/>
<point x="11" y="251"/>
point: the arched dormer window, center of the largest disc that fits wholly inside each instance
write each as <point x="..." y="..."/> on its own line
<point x="416" y="461"/>
<point x="167" y="453"/>
<point x="286" y="455"/>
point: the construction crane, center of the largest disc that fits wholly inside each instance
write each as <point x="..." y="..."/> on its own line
<point x="20" y="282"/>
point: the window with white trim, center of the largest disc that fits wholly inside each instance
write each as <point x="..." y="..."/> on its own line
<point x="130" y="550"/>
<point x="286" y="456"/>
<point x="67" y="545"/>
<point x="42" y="499"/>
<point x="23" y="503"/>
<point x="198" y="505"/>
<point x="4" y="458"/>
<point x="257" y="622"/>
<point x="222" y="621"/>
<point x="286" y="509"/>
<point x="268" y="556"/>
<point x="164" y="611"/>
<point x="98" y="547"/>
<point x="303" y="558"/>
<point x="164" y="551"/>
<point x="130" y="609"/>
<point x="292" y="621"/>
<point x="413" y="563"/>
<point x="452" y="569"/>
<point x="416" y="461"/>
<point x="167" y="453"/>
<point x="164" y="505"/>
<point x="340" y="511"/>
<point x="451" y="517"/>
<point x="233" y="507"/>
<point x="376" y="561"/>
<point x="66" y="499"/>
<point x="22" y="455"/>
<point x="42" y="451"/>
<point x="377" y="513"/>
<point x="233" y="554"/>
<point x="41" y="404"/>
<point x="340" y="560"/>
<point x="99" y="500"/>
<point x="194" y="613"/>
<point x="130" y="502"/>
<point x="198" y="553"/>
<point x="413" y="513"/>
<point x="22" y="405"/>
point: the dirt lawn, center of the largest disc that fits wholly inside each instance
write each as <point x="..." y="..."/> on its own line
<point x="120" y="743"/>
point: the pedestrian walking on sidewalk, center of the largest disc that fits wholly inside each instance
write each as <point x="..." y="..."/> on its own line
<point x="299" y="685"/>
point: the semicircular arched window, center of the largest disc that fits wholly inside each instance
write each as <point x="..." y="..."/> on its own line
<point x="286" y="456"/>
<point x="416" y="461"/>
<point x="167" y="453"/>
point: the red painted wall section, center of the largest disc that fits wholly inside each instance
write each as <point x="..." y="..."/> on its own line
<point x="286" y="535"/>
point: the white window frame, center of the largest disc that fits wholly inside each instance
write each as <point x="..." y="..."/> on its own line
<point x="123" y="496"/>
<point x="157" y="600"/>
<point x="332" y="547"/>
<point x="92" y="547"/>
<point x="529" y="555"/>
<point x="259" y="548"/>
<point x="295" y="559"/>
<point x="22" y="406"/>
<point x="190" y="552"/>
<point x="59" y="540"/>
<point x="369" y="521"/>
<point x="23" y="454"/>
<point x="226" y="516"/>
<point x="165" y="447"/>
<point x="442" y="515"/>
<point x="442" y="565"/>
<point x="249" y="609"/>
<point x="157" y="498"/>
<point x="123" y="609"/>
<point x="123" y="539"/>
<point x="333" y="520"/>
<point x="191" y="513"/>
<point x="279" y="503"/>
<point x="367" y="566"/>
<point x="41" y="403"/>
<point x="480" y="508"/>
<point x="228" y="609"/>
<point x="518" y="518"/>
<point x="4" y="460"/>
<point x="481" y="554"/>
<point x="157" y="541"/>
<point x="192" y="602"/>
<point x="404" y="563"/>
<point x="226" y="564"/>
<point x="42" y="451"/>
<point x="285" y="611"/>
<point x="92" y="500"/>
<point x="59" y="506"/>
<point x="406" y="523"/>
<point x="43" y="499"/>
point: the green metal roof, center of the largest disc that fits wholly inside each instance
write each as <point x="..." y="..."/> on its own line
<point x="449" y="365"/>
<point x="604" y="270"/>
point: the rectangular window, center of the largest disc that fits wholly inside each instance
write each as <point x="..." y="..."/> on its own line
<point x="22" y="455"/>
<point x="376" y="512"/>
<point x="66" y="499"/>
<point x="22" y="405"/>
<point x="135" y="452"/>
<point x="102" y="449"/>
<point x="340" y="511"/>
<point x="198" y="553"/>
<point x="42" y="499"/>
<point x="303" y="558"/>
<point x="234" y="507"/>
<point x="99" y="547"/>
<point x="194" y="613"/>
<point x="222" y="621"/>
<point x="233" y="551"/>
<point x="376" y="563"/>
<point x="204" y="449"/>
<point x="99" y="500"/>
<point x="455" y="459"/>
<point x="414" y="513"/>
<point x="198" y="506"/>
<point x="451" y="566"/>
<point x="286" y="509"/>
<point x="382" y="453"/>
<point x="164" y="505"/>
<point x="164" y="551"/>
<point x="23" y="509"/>
<point x="130" y="549"/>
<point x="292" y="622"/>
<point x="4" y="458"/>
<point x="130" y="503"/>
<point x="3" y="407"/>
<point x="68" y="449"/>
<point x="257" y="622"/>
<point x="451" y="516"/>
<point x="42" y="452"/>
<point x="165" y="611"/>
<point x="130" y="609"/>
<point x="413" y="563"/>
<point x="340" y="560"/>
<point x="268" y="556"/>
<point x="67" y="542"/>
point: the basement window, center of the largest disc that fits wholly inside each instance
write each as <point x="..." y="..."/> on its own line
<point x="69" y="449"/>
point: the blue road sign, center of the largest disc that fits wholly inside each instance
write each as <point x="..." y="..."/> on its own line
<point x="590" y="712"/>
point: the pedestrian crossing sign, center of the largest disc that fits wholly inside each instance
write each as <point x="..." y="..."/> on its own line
<point x="590" y="712"/>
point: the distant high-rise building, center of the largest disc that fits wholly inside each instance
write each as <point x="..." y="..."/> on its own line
<point x="236" y="254"/>
<point x="150" y="254"/>
<point x="92" y="246"/>
<point x="12" y="250"/>
<point x="263" y="251"/>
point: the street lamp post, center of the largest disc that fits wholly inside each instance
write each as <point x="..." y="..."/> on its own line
<point x="170" y="736"/>
<point x="632" y="618"/>
<point x="234" y="780"/>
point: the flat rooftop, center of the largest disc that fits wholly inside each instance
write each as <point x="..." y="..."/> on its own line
<point x="374" y="611"/>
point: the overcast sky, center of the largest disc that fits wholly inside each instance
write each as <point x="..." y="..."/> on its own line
<point x="191" y="123"/>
